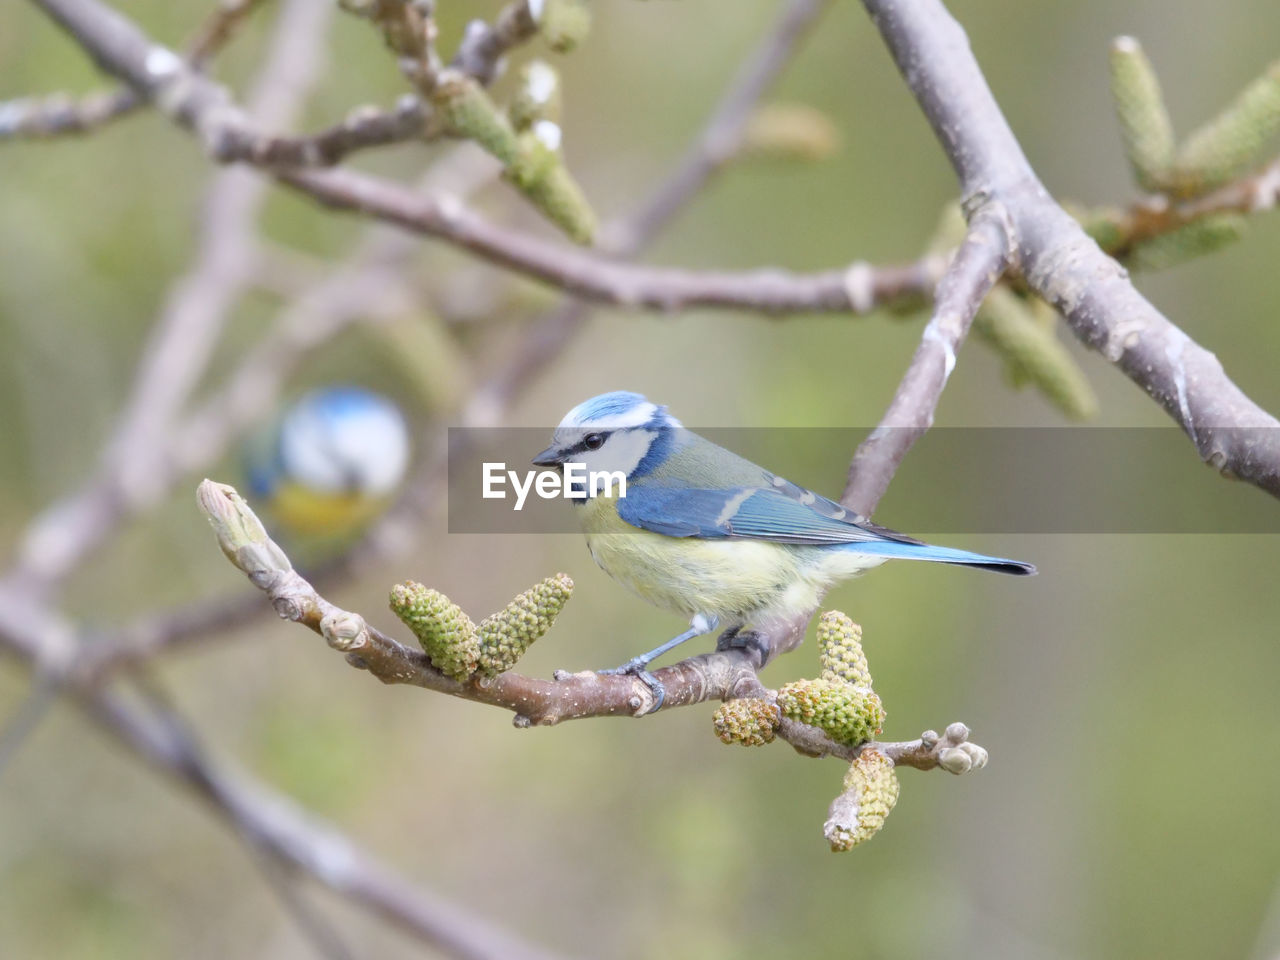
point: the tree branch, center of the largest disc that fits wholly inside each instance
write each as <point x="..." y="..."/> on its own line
<point x="272" y="821"/>
<point x="975" y="268"/>
<point x="59" y="114"/>
<point x="1060" y="262"/>
<point x="483" y="45"/>
<point x="859" y="288"/>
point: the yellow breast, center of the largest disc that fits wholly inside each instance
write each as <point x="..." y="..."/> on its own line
<point x="736" y="580"/>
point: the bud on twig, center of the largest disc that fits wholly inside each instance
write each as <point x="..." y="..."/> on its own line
<point x="537" y="95"/>
<point x="790" y="131"/>
<point x="564" y="23"/>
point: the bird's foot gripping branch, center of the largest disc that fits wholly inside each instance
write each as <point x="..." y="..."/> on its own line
<point x="836" y="714"/>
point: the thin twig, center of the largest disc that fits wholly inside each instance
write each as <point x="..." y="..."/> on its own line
<point x="859" y="288"/>
<point x="1157" y="215"/>
<point x="975" y="268"/>
<point x="281" y="875"/>
<point x="33" y="708"/>
<point x="59" y="114"/>
<point x="483" y="45"/>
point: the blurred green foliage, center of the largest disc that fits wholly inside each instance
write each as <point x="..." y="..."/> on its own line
<point x="1127" y="694"/>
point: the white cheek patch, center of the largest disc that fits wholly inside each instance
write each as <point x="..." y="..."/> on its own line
<point x="618" y="458"/>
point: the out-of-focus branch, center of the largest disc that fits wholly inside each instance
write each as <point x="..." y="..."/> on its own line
<point x="60" y="114"/>
<point x="270" y="821"/>
<point x="857" y="289"/>
<point x="1059" y="261"/>
<point x="484" y="45"/>
<point x="229" y="134"/>
<point x="975" y="268"/>
<point x="184" y="336"/>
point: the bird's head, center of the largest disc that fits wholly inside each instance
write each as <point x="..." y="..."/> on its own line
<point x="614" y="432"/>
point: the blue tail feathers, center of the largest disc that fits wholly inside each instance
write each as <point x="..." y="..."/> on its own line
<point x="924" y="551"/>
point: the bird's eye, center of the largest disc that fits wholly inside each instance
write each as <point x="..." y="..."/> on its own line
<point x="593" y="441"/>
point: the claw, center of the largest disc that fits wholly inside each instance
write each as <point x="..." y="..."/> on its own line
<point x="656" y="688"/>
<point x="636" y="667"/>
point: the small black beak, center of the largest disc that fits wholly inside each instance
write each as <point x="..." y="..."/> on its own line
<point x="550" y="457"/>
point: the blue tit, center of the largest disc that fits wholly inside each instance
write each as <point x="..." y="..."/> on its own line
<point x="332" y="462"/>
<point x="709" y="535"/>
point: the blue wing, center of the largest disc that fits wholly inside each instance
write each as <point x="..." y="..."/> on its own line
<point x="780" y="516"/>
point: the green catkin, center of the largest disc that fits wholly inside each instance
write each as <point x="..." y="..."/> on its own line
<point x="447" y="635"/>
<point x="871" y="791"/>
<point x="750" y="721"/>
<point x="507" y="634"/>
<point x="1144" y="119"/>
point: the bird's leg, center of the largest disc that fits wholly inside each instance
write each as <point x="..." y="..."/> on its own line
<point x="637" y="666"/>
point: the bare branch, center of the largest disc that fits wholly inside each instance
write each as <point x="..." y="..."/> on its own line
<point x="193" y="100"/>
<point x="975" y="268"/>
<point x="856" y="289"/>
<point x="1060" y="262"/>
<point x="723" y="134"/>
<point x="273" y="823"/>
<point x="59" y="114"/>
<point x="483" y="46"/>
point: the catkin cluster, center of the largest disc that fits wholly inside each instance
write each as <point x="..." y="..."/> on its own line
<point x="460" y="649"/>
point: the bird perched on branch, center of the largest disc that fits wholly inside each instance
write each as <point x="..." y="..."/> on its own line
<point x="331" y="462"/>
<point x="707" y="534"/>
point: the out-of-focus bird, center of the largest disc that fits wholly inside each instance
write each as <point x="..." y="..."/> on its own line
<point x="707" y="534"/>
<point x="331" y="462"/>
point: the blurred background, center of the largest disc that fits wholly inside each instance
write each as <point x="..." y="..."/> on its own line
<point x="1126" y="695"/>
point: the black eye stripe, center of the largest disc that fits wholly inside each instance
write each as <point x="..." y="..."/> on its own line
<point x="583" y="447"/>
